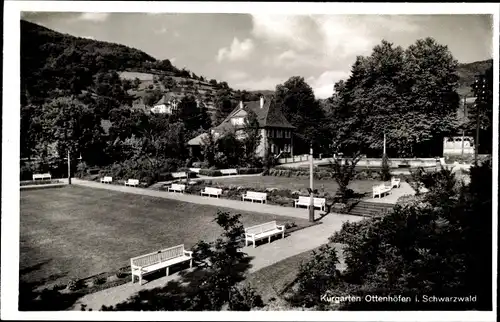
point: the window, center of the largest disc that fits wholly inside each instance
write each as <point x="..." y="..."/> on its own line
<point x="270" y="133"/>
<point x="279" y="133"/>
<point x="237" y="121"/>
<point x="287" y="134"/>
<point x="272" y="148"/>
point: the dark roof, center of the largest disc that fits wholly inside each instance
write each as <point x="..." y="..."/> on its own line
<point x="269" y="115"/>
<point x="167" y="98"/>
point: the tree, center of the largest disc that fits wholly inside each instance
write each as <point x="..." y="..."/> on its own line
<point x="209" y="148"/>
<point x="343" y="171"/>
<point x="152" y="97"/>
<point x="205" y="119"/>
<point x="169" y="83"/>
<point x="223" y="105"/>
<point x="189" y="113"/>
<point x="427" y="247"/>
<point x="484" y="106"/>
<point x="72" y="126"/>
<point x="229" y="150"/>
<point x="386" y="170"/>
<point x="251" y="139"/>
<point x="410" y="94"/>
<point x="213" y="82"/>
<point x="296" y="100"/>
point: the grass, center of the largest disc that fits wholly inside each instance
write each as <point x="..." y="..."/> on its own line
<point x="272" y="280"/>
<point x="293" y="183"/>
<point x="76" y="232"/>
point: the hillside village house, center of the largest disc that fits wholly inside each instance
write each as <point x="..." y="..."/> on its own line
<point x="276" y="131"/>
<point x="166" y="105"/>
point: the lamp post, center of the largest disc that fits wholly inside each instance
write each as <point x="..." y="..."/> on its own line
<point x="311" y="184"/>
<point x="69" y="166"/>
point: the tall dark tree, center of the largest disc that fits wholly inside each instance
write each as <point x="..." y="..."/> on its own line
<point x="189" y="113"/>
<point x="252" y="138"/>
<point x="223" y="105"/>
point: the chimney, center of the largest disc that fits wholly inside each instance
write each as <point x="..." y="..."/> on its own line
<point x="241" y="104"/>
<point x="261" y="101"/>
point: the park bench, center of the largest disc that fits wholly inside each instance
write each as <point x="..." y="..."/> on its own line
<point x="253" y="195"/>
<point x="179" y="175"/>
<point x="306" y="201"/>
<point x="195" y="170"/>
<point x="149" y="263"/>
<point x="395" y="182"/>
<point x="132" y="182"/>
<point x="209" y="191"/>
<point x="228" y="171"/>
<point x="262" y="231"/>
<point x="106" y="180"/>
<point x="380" y="190"/>
<point x="177" y="187"/>
<point x="42" y="176"/>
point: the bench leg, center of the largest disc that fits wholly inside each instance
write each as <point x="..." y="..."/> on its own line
<point x="269" y="239"/>
<point x="140" y="279"/>
<point x="167" y="270"/>
<point x="246" y="242"/>
<point x="254" y="243"/>
<point x="133" y="278"/>
<point x="191" y="263"/>
<point x="283" y="234"/>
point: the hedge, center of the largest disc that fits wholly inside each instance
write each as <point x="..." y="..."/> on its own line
<point x="210" y="173"/>
<point x="250" y="170"/>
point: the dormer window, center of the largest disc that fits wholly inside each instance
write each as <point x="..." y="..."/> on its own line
<point x="237" y="120"/>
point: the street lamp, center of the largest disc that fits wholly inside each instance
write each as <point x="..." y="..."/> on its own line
<point x="69" y="166"/>
<point x="311" y="184"/>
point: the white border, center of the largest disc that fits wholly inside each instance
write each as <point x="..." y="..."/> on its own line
<point x="10" y="157"/>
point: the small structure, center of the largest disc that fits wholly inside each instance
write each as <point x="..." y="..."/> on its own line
<point x="457" y="145"/>
<point x="166" y="105"/>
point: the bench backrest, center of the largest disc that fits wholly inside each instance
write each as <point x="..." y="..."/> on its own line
<point x="108" y="178"/>
<point x="214" y="191"/>
<point x="317" y="201"/>
<point x="257" y="195"/>
<point x="41" y="175"/>
<point x="158" y="257"/>
<point x="133" y="181"/>
<point x="178" y="175"/>
<point x="229" y="171"/>
<point x="195" y="170"/>
<point x="393" y="180"/>
<point x="177" y="186"/>
<point x="261" y="228"/>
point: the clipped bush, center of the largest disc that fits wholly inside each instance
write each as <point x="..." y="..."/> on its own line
<point x="210" y="173"/>
<point x="250" y="170"/>
<point x="98" y="280"/>
<point x="74" y="285"/>
<point x="122" y="273"/>
<point x="290" y="224"/>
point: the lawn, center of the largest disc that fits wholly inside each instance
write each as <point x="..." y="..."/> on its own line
<point x="76" y="232"/>
<point x="293" y="183"/>
<point x="273" y="279"/>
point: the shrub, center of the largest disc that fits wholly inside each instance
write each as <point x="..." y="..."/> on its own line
<point x="210" y="173"/>
<point x="98" y="280"/>
<point x="385" y="173"/>
<point x="250" y="170"/>
<point x="122" y="273"/>
<point x="74" y="285"/>
<point x="289" y="225"/>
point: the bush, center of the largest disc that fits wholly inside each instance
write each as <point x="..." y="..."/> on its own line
<point x="74" y="285"/>
<point x="289" y="225"/>
<point x="210" y="173"/>
<point x="98" y="280"/>
<point x="123" y="273"/>
<point x="250" y="170"/>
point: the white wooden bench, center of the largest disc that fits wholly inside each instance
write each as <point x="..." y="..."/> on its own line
<point x="209" y="191"/>
<point x="106" y="180"/>
<point x="395" y="182"/>
<point x="42" y="176"/>
<point x="132" y="182"/>
<point x="179" y="175"/>
<point x="228" y="171"/>
<point x="175" y="187"/>
<point x="149" y="263"/>
<point x="253" y="195"/>
<point x="306" y="201"/>
<point x="195" y="170"/>
<point x="380" y="190"/>
<point x="262" y="231"/>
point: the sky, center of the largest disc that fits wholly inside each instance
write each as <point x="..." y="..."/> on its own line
<point x="260" y="51"/>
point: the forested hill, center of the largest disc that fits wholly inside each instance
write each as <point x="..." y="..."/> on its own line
<point x="51" y="60"/>
<point x="466" y="73"/>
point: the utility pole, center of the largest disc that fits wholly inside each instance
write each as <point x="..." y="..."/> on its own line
<point x="69" y="168"/>
<point x="463" y="130"/>
<point x="311" y="184"/>
<point x="384" y="145"/>
<point x="479" y="91"/>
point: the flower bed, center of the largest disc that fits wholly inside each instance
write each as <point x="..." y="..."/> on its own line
<point x="38" y="182"/>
